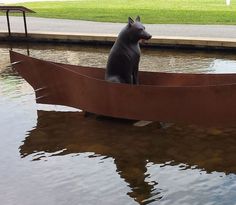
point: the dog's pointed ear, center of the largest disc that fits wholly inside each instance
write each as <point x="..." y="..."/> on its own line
<point x="138" y="19"/>
<point x="130" y="21"/>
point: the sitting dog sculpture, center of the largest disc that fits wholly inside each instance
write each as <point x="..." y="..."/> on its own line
<point x="123" y="60"/>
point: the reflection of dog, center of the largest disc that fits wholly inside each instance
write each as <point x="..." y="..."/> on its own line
<point x="123" y="61"/>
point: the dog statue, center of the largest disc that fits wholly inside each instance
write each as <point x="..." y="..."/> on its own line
<point x="123" y="60"/>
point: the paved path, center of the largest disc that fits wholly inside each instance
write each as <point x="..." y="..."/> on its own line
<point x="76" y="26"/>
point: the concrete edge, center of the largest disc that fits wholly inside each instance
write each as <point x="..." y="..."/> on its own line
<point x="108" y="39"/>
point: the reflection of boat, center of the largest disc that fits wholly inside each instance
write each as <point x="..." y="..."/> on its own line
<point x="133" y="148"/>
<point x="168" y="97"/>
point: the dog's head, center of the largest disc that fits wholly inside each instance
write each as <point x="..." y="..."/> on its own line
<point x="137" y="30"/>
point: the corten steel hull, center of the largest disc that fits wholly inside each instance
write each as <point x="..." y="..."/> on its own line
<point x="207" y="99"/>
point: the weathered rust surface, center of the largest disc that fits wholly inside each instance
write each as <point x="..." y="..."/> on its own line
<point x="207" y="99"/>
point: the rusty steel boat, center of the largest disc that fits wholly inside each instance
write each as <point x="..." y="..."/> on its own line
<point x="207" y="99"/>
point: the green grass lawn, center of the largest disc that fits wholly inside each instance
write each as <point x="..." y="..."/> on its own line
<point x="151" y="11"/>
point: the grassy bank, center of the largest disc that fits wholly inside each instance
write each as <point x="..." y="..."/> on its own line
<point x="151" y="11"/>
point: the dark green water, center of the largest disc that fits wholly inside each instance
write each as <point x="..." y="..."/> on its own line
<point x="54" y="155"/>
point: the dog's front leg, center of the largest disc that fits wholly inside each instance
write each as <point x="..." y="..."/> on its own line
<point x="135" y="75"/>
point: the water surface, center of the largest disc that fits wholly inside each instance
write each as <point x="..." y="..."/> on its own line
<point x="59" y="158"/>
